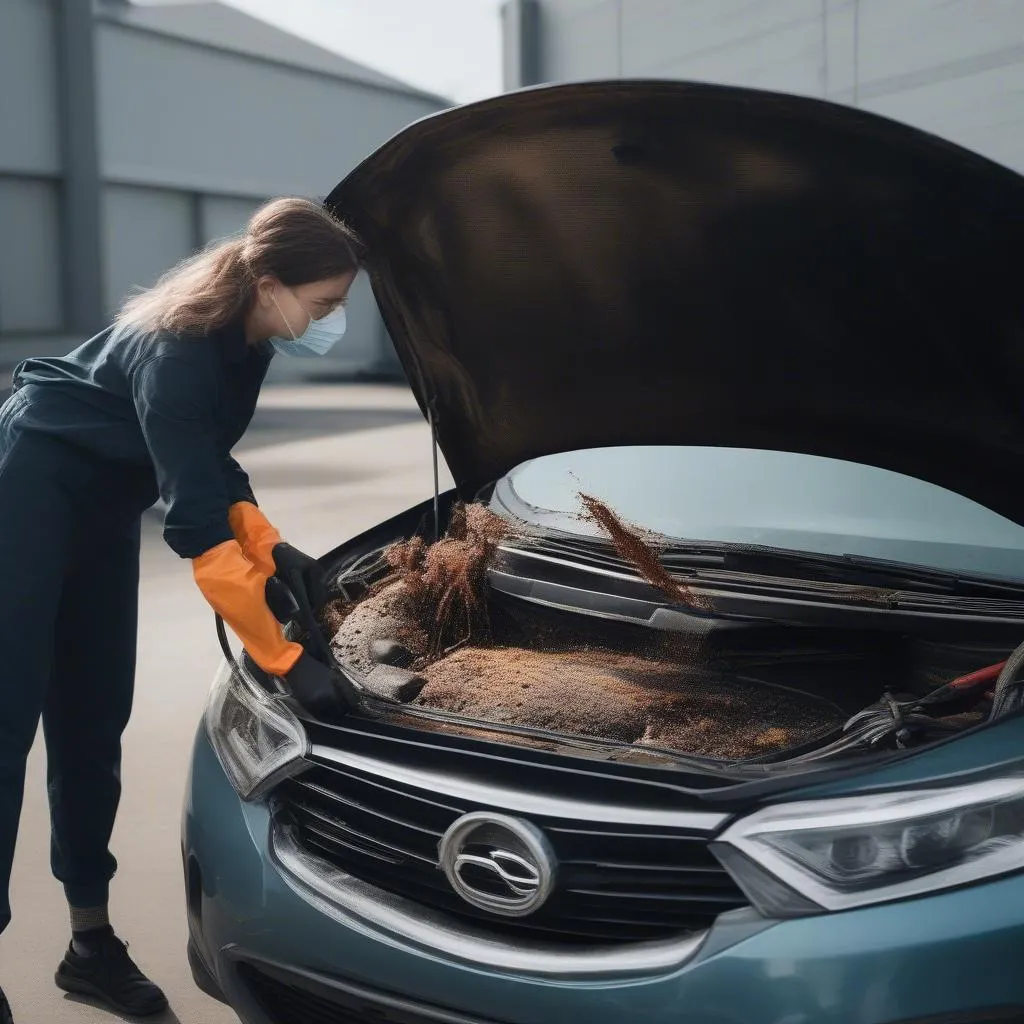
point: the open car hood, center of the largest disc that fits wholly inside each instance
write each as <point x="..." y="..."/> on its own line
<point x="667" y="263"/>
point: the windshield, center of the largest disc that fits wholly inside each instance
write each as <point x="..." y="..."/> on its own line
<point x="775" y="499"/>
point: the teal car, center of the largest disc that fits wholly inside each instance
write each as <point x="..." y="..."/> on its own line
<point x="783" y="340"/>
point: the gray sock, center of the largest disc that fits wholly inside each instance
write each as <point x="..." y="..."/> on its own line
<point x="86" y="920"/>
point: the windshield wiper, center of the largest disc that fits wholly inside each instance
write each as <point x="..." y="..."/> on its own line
<point x="851" y="569"/>
<point x="684" y="557"/>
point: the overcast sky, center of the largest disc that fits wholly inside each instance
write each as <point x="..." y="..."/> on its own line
<point x="449" y="47"/>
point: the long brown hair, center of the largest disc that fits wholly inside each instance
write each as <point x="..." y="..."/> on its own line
<point x="296" y="240"/>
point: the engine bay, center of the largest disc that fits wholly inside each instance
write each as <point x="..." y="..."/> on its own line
<point x="462" y="627"/>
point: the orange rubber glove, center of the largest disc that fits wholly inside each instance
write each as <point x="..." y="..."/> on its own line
<point x="236" y="590"/>
<point x="255" y="533"/>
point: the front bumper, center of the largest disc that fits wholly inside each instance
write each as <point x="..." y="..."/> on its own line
<point x="954" y="957"/>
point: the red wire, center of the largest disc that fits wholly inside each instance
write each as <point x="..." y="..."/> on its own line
<point x="982" y="675"/>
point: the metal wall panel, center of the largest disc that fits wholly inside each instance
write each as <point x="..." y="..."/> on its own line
<point x="952" y="67"/>
<point x="30" y="270"/>
<point x="659" y="35"/>
<point x="982" y="112"/>
<point x="180" y="115"/>
<point x="579" y="40"/>
<point x="788" y="59"/>
<point x="941" y="38"/>
<point x="778" y="45"/>
<point x="841" y="25"/>
<point x="520" y="22"/>
<point x="221" y="216"/>
<point x="29" y="140"/>
<point x="568" y="8"/>
<point x="145" y="232"/>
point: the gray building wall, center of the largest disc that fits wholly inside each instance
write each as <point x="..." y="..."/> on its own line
<point x="951" y="67"/>
<point x="30" y="168"/>
<point x="200" y="115"/>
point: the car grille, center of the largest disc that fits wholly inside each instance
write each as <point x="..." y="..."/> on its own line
<point x="288" y="1000"/>
<point x="615" y="883"/>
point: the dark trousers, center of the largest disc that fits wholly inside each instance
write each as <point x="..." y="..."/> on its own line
<point x="69" y="577"/>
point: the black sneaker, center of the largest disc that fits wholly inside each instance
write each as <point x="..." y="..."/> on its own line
<point x="109" y="975"/>
<point x="6" y="1017"/>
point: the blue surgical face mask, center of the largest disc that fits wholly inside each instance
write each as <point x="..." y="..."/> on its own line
<point x="319" y="337"/>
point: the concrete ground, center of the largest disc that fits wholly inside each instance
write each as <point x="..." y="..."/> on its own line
<point x="326" y="463"/>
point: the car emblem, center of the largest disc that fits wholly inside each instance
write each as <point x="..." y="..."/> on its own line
<point x="501" y="864"/>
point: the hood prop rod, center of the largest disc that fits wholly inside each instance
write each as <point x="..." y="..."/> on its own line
<point x="432" y="420"/>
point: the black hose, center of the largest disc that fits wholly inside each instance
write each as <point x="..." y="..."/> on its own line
<point x="222" y="636"/>
<point x="306" y="618"/>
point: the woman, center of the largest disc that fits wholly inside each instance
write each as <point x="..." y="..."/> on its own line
<point x="152" y="406"/>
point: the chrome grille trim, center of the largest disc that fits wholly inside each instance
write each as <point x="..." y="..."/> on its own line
<point x="401" y="923"/>
<point x="498" y="798"/>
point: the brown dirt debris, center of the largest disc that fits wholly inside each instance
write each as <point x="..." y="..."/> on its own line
<point x="434" y="602"/>
<point x="392" y="613"/>
<point x="613" y="696"/>
<point x="640" y="553"/>
<point x="446" y="582"/>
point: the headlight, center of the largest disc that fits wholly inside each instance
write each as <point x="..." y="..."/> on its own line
<point x="256" y="737"/>
<point x="799" y="858"/>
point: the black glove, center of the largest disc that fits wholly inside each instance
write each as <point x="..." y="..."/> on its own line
<point x="321" y="690"/>
<point x="281" y="601"/>
<point x="302" y="574"/>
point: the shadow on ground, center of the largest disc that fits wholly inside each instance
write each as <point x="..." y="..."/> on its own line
<point x="167" y="1017"/>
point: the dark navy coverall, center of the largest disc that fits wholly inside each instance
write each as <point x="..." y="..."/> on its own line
<point x="87" y="441"/>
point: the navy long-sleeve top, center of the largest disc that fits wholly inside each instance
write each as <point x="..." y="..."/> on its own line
<point x="174" y="403"/>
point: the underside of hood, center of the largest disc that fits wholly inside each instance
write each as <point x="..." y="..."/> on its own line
<point x="667" y="263"/>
